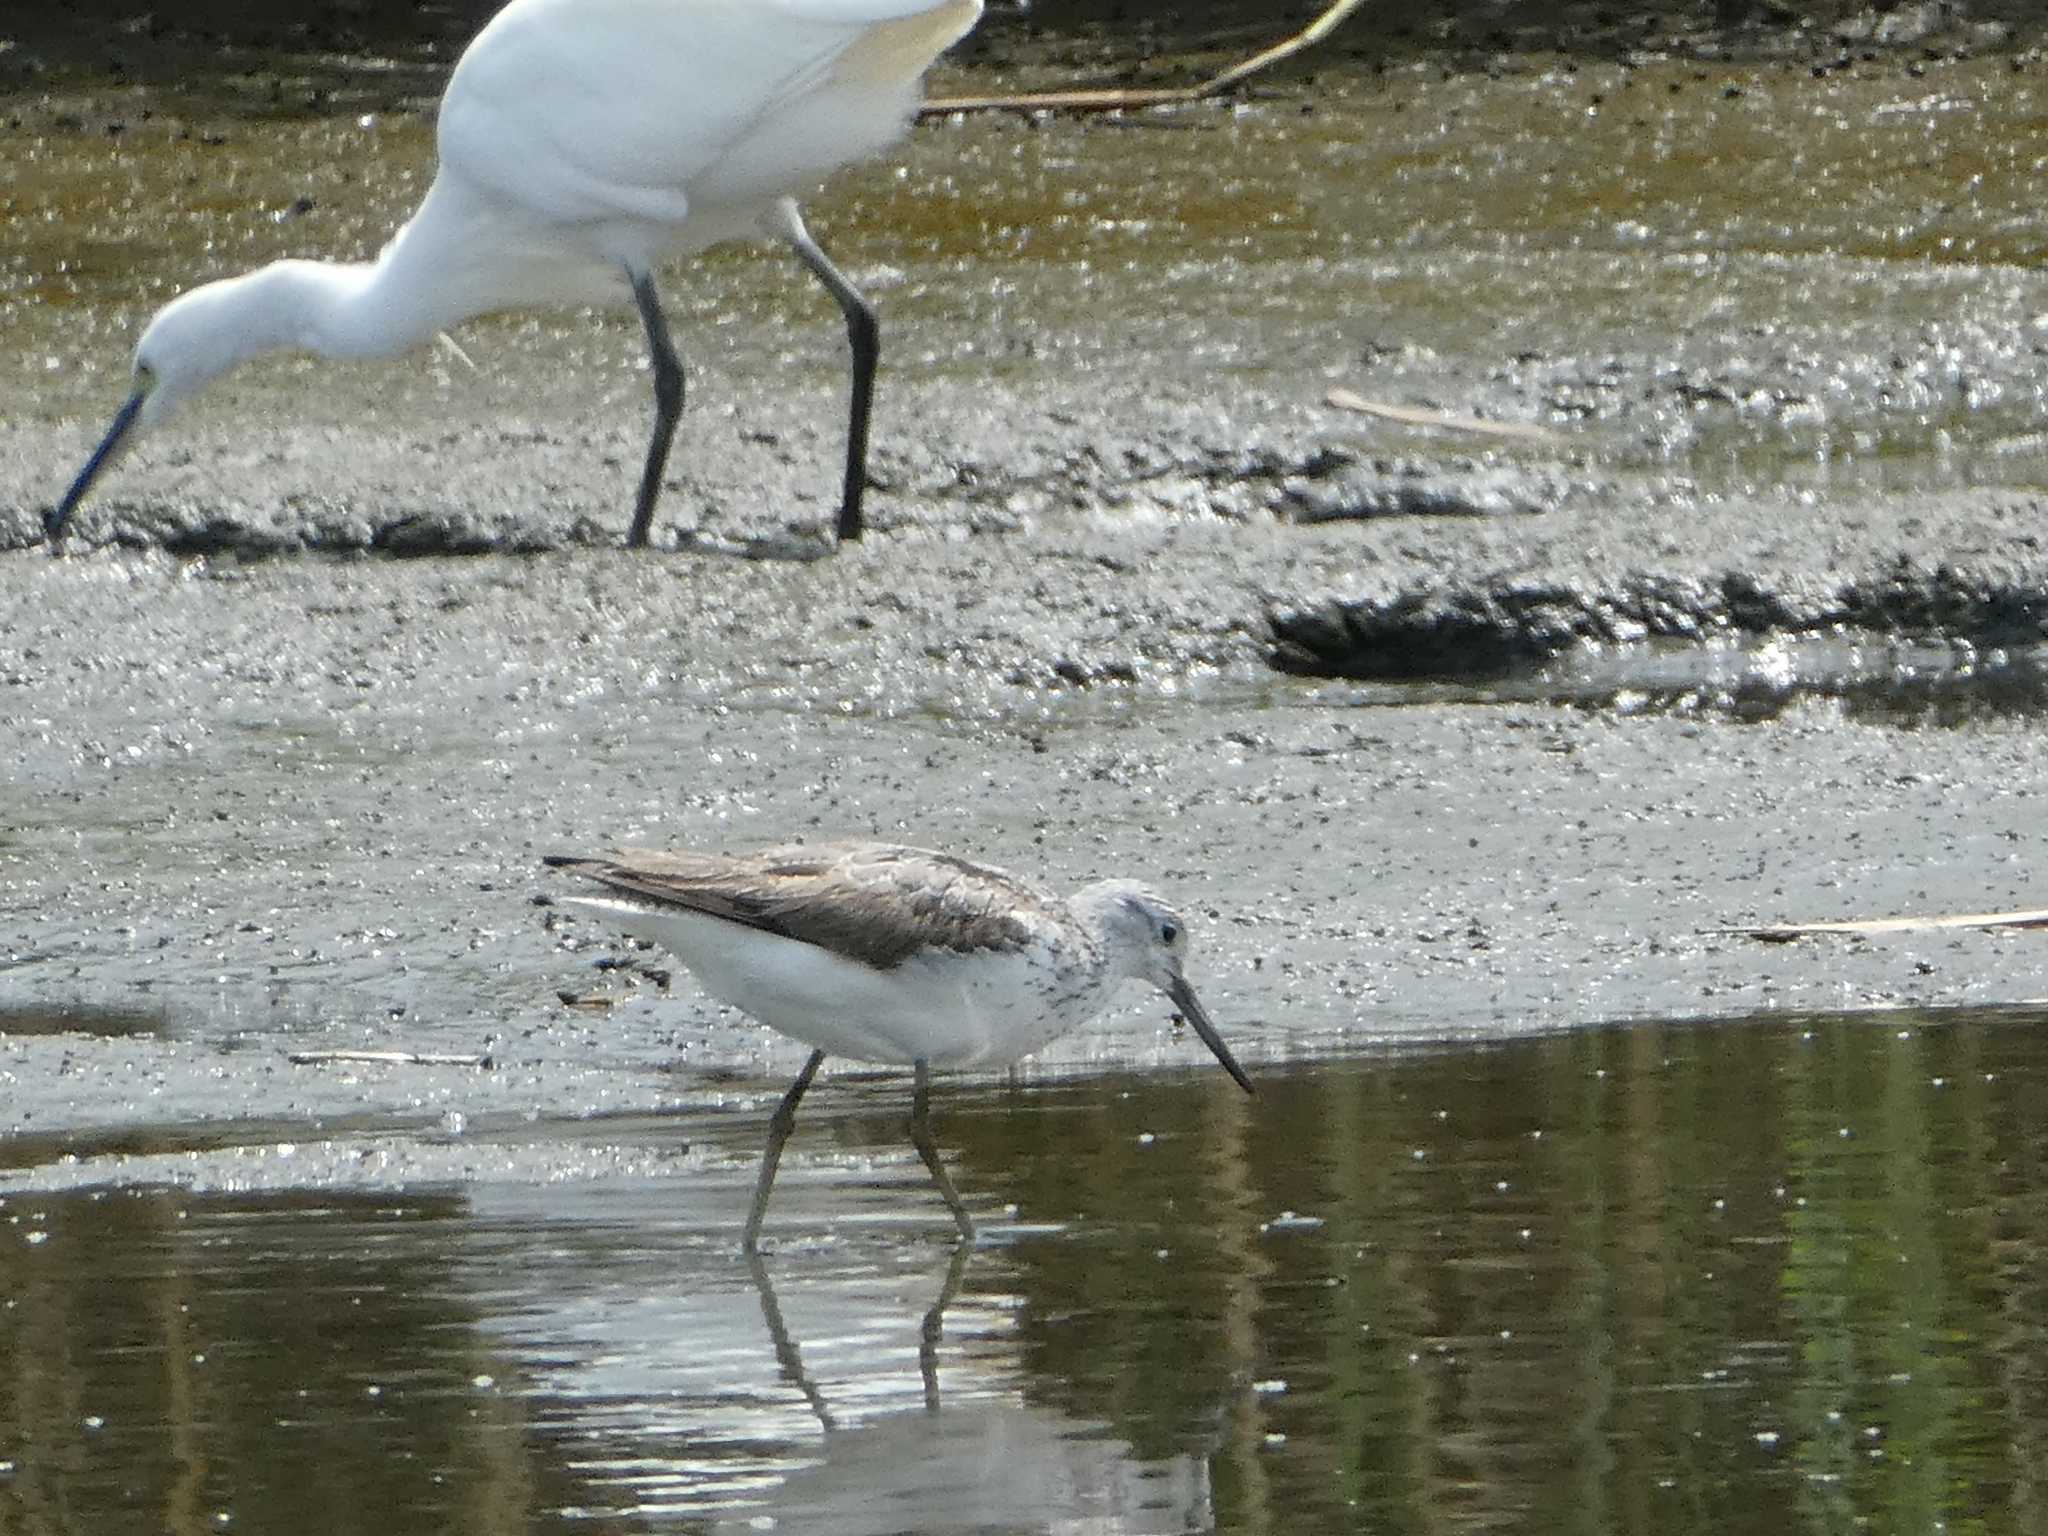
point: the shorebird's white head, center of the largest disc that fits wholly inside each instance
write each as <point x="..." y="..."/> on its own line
<point x="1147" y="939"/>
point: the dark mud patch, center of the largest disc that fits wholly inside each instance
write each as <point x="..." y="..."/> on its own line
<point x="1446" y="629"/>
<point x="1271" y="475"/>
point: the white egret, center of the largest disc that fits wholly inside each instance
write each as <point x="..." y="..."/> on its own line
<point x="899" y="955"/>
<point x="582" y="142"/>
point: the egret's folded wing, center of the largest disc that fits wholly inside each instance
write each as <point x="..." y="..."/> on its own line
<point x="596" y="109"/>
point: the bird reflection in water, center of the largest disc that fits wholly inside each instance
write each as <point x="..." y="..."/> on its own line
<point x="982" y="1463"/>
<point x="790" y="1357"/>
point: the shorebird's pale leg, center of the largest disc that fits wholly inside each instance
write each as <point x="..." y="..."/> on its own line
<point x="787" y="1355"/>
<point x="920" y="1128"/>
<point x="780" y="1124"/>
<point x="933" y="1327"/>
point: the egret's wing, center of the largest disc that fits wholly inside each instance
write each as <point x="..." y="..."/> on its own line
<point x="596" y="109"/>
<point x="875" y="902"/>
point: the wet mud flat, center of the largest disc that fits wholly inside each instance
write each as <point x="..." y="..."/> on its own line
<point x="1768" y="409"/>
<point x="302" y="804"/>
<point x="1790" y="451"/>
<point x="278" y="791"/>
<point x="1449" y="734"/>
<point x="1462" y="751"/>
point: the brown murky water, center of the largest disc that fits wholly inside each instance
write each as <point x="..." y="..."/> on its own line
<point x="1749" y="1279"/>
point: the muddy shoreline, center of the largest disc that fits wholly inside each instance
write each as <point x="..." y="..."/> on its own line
<point x="268" y="787"/>
<point x="301" y="805"/>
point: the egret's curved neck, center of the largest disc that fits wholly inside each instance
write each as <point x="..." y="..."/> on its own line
<point x="414" y="289"/>
<point x="334" y="309"/>
<point x="363" y="309"/>
<point x="458" y="256"/>
<point x="329" y="308"/>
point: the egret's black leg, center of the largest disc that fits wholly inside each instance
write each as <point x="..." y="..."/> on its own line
<point x="668" y="404"/>
<point x="865" y="337"/>
<point x="920" y="1127"/>
<point x="780" y="1124"/>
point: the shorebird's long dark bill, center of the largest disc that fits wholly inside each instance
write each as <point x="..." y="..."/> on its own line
<point x="54" y="523"/>
<point x="1191" y="1009"/>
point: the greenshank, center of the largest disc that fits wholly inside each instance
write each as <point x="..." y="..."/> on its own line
<point x="897" y="955"/>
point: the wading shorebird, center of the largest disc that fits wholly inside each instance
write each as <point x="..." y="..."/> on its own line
<point x="582" y="143"/>
<point x="895" y="955"/>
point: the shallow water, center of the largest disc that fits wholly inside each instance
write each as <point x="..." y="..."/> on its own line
<point x="1880" y="681"/>
<point x="1762" y="1277"/>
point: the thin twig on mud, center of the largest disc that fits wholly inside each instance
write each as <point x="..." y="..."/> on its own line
<point x="1784" y="933"/>
<point x="1118" y="98"/>
<point x="1450" y="421"/>
<point x="386" y="1059"/>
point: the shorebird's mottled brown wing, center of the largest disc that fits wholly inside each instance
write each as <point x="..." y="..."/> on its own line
<point x="873" y="902"/>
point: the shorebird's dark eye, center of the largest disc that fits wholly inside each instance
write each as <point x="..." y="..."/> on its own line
<point x="1168" y="932"/>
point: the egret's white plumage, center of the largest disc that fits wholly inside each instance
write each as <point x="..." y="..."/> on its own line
<point x="582" y="143"/>
<point x="899" y="955"/>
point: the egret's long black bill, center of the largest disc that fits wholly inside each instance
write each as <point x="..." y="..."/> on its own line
<point x="1191" y="1009"/>
<point x="55" y="522"/>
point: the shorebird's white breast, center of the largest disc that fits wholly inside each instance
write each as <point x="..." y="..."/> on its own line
<point x="1007" y="1003"/>
<point x="975" y="1008"/>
